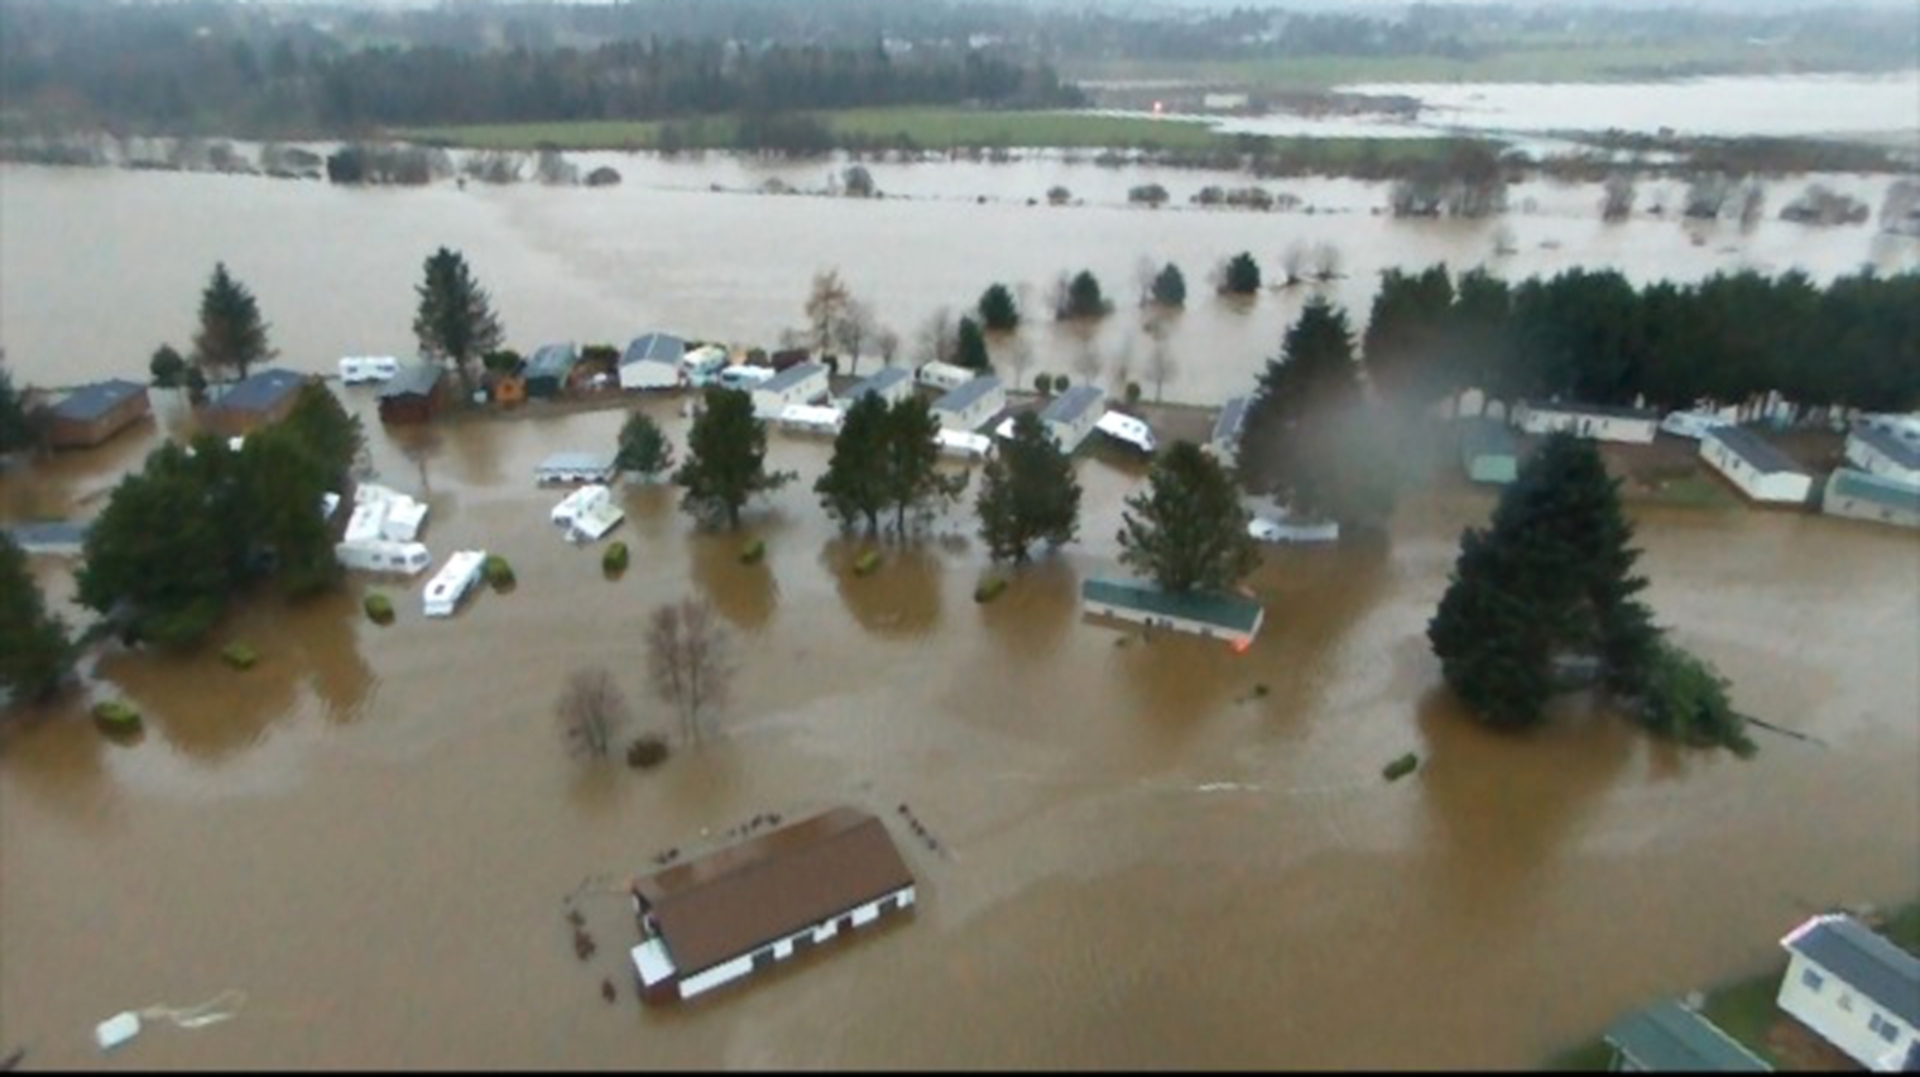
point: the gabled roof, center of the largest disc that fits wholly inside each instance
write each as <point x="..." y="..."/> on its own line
<point x="654" y="348"/>
<point x="1611" y="411"/>
<point x="790" y="377"/>
<point x="1210" y="607"/>
<point x="962" y="397"/>
<point x="414" y="379"/>
<point x="1878" y="489"/>
<point x="260" y="390"/>
<point x="89" y="402"/>
<point x="879" y="382"/>
<point x="1668" y="1037"/>
<point x="738" y="898"/>
<point x="1868" y="963"/>
<point x="552" y="360"/>
<point x="1233" y="415"/>
<point x="1755" y="450"/>
<point x="1072" y="404"/>
<point x="1890" y="445"/>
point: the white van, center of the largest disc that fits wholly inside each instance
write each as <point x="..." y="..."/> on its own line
<point x="356" y="369"/>
<point x="944" y="376"/>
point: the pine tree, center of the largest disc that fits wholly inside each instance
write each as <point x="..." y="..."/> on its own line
<point x="854" y="486"/>
<point x="1029" y="494"/>
<point x="35" y="654"/>
<point x="1169" y="287"/>
<point x="1187" y="530"/>
<point x="1241" y="276"/>
<point x="997" y="310"/>
<point x="1306" y="439"/>
<point x="455" y="322"/>
<point x="970" y="347"/>
<point x="643" y="446"/>
<point x="325" y="429"/>
<point x="911" y="477"/>
<point x="726" y="458"/>
<point x="231" y="337"/>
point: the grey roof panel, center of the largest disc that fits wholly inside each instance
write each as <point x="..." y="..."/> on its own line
<point x="552" y="361"/>
<point x="880" y="382"/>
<point x="1667" y="1037"/>
<point x="1755" y="450"/>
<point x="1891" y="445"/>
<point x="1233" y="415"/>
<point x="260" y="390"/>
<point x="963" y="396"/>
<point x="654" y="348"/>
<point x="791" y="377"/>
<point x="89" y="402"/>
<point x="1072" y="404"/>
<point x="414" y="379"/>
<point x="1874" y="967"/>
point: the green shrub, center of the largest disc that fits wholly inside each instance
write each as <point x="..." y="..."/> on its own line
<point x="868" y="563"/>
<point x="1061" y="384"/>
<point x="239" y="655"/>
<point x="649" y="750"/>
<point x="1400" y="767"/>
<point x="115" y="716"/>
<point x="753" y="551"/>
<point x="497" y="571"/>
<point x="989" y="589"/>
<point x="614" y="561"/>
<point x="379" y="608"/>
<point x="1133" y="392"/>
<point x="1042" y="383"/>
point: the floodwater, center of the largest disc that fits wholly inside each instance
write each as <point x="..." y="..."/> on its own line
<point x="1141" y="860"/>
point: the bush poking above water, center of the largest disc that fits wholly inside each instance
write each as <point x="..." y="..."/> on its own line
<point x="753" y="552"/>
<point x="614" y="561"/>
<point x="1400" y="767"/>
<point x="115" y="716"/>
<point x="647" y="751"/>
<point x="239" y="655"/>
<point x="869" y="563"/>
<point x="379" y="608"/>
<point x="497" y="572"/>
<point x="989" y="589"/>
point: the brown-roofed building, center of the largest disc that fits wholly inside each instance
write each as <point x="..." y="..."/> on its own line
<point x="261" y="399"/>
<point x="738" y="910"/>
<point x="413" y="394"/>
<point x="93" y="413"/>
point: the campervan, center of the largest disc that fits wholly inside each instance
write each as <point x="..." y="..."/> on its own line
<point x="744" y="377"/>
<point x="380" y="555"/>
<point x="580" y="501"/>
<point x="704" y="365"/>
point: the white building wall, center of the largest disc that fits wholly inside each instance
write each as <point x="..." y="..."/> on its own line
<point x="1581" y="424"/>
<point x="1780" y="486"/>
<point x="1834" y="504"/>
<point x="1873" y="461"/>
<point x="1841" y="1015"/>
<point x="649" y="376"/>
<point x="736" y="968"/>
<point x="767" y="403"/>
<point x="984" y="407"/>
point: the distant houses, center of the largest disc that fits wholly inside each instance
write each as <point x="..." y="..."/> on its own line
<point x="1072" y="415"/>
<point x="549" y="369"/>
<point x="260" y="399"/>
<point x="1883" y="452"/>
<point x="972" y="405"/>
<point x="739" y="910"/>
<point x="1855" y="989"/>
<point x="652" y="362"/>
<point x="1755" y="466"/>
<point x="414" y="394"/>
<point x="1667" y="1037"/>
<point x="1861" y="495"/>
<point x="92" y="414"/>
<point x="1630" y="425"/>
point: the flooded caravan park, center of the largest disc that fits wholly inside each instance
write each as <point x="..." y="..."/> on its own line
<point x="1141" y="860"/>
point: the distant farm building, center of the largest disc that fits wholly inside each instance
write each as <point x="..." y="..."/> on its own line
<point x="1210" y="614"/>
<point x="1666" y="1037"/>
<point x="652" y="362"/>
<point x="892" y="384"/>
<point x="1861" y="495"/>
<point x="414" y="393"/>
<point x="1760" y="470"/>
<point x="739" y="910"/>
<point x="547" y="371"/>
<point x="1601" y="423"/>
<point x="1884" y="452"/>
<point x="972" y="405"/>
<point x="802" y="383"/>
<point x="1488" y="451"/>
<point x="1227" y="426"/>
<point x="94" y="413"/>
<point x="260" y="399"/>
<point x="1860" y="992"/>
<point x="1071" y="416"/>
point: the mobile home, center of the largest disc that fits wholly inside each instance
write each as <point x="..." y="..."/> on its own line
<point x="1855" y="989"/>
<point x="944" y="376"/>
<point x="972" y="405"/>
<point x="1884" y="452"/>
<point x="891" y="384"/>
<point x="361" y="369"/>
<point x="1633" y="426"/>
<point x="453" y="581"/>
<point x="652" y="362"/>
<point x="94" y="413"/>
<point x="382" y="555"/>
<point x="1210" y="614"/>
<point x="1761" y="471"/>
<point x="802" y="383"/>
<point x="575" y="467"/>
<point x="1073" y="414"/>
<point x="1862" y="495"/>
<point x="703" y="366"/>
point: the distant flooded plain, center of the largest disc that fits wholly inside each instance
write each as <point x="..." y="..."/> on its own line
<point x="1142" y="860"/>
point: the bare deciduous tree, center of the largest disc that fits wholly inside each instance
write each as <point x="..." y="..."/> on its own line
<point x="939" y="336"/>
<point x="592" y="712"/>
<point x="852" y="328"/>
<point x="687" y="661"/>
<point x="1326" y="262"/>
<point x="887" y="341"/>
<point x="1294" y="263"/>
<point x="1160" y="367"/>
<point x="1617" y="204"/>
<point x="1019" y="356"/>
<point x="826" y="304"/>
<point x="1145" y="271"/>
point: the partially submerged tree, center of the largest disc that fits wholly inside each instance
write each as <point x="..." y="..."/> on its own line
<point x="998" y="312"/>
<point x="231" y="337"/>
<point x="643" y="447"/>
<point x="1240" y="276"/>
<point x="688" y="662"/>
<point x="36" y="655"/>
<point x="592" y="712"/>
<point x="168" y="367"/>
<point x="1169" y="287"/>
<point x="726" y="458"/>
<point x="970" y="347"/>
<point x="851" y="330"/>
<point x="1080" y="297"/>
<point x="826" y="305"/>
<point x="911" y="478"/>
<point x="1187" y="530"/>
<point x="1029" y="494"/>
<point x="455" y="322"/>
<point x="854" y="488"/>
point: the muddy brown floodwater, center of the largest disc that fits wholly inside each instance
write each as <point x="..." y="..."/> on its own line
<point x="1141" y="862"/>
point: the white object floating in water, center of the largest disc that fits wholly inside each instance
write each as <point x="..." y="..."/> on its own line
<point x="117" y="1030"/>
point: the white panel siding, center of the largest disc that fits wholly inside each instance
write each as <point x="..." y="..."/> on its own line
<point x="707" y="980"/>
<point x="1780" y="486"/>
<point x="734" y="969"/>
<point x="1843" y="1016"/>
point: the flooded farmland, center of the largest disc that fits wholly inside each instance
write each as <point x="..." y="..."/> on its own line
<point x="1142" y="860"/>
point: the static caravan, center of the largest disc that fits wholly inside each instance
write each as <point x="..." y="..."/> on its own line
<point x="1130" y="431"/>
<point x="1692" y="424"/>
<point x="964" y="444"/>
<point x="1667" y="1037"/>
<point x="891" y="384"/>
<point x="944" y="376"/>
<point x="1208" y="614"/>
<point x="1761" y="471"/>
<point x="1884" y="452"/>
<point x="744" y="377"/>
<point x="382" y="555"/>
<point x="452" y="582"/>
<point x="575" y="467"/>
<point x="1858" y="991"/>
<point x="587" y="514"/>
<point x="652" y="362"/>
<point x="360" y="369"/>
<point x="1602" y="423"/>
<point x="1488" y="451"/>
<point x="1225" y="441"/>
<point x="577" y="502"/>
<point x="385" y="513"/>
<point x="1072" y="415"/>
<point x="1862" y="495"/>
<point x="703" y="365"/>
<point x="972" y="405"/>
<point x="811" y="418"/>
<point x="802" y="383"/>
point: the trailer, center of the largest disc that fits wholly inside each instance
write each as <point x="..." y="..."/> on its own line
<point x="452" y="582"/>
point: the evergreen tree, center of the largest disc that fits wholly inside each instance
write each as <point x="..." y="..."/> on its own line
<point x="997" y="310"/>
<point x="168" y="367"/>
<point x="455" y="322"/>
<point x="1241" y="276"/>
<point x="35" y="654"/>
<point x="1311" y="439"/>
<point x="16" y="428"/>
<point x="1082" y="298"/>
<point x="1169" y="287"/>
<point x="1029" y="494"/>
<point x="854" y="486"/>
<point x="970" y="347"/>
<point x="1187" y="530"/>
<point x="911" y="478"/>
<point x="1405" y="341"/>
<point x="643" y="446"/>
<point x="726" y="458"/>
<point x="324" y="429"/>
<point x="231" y="337"/>
<point x="281" y="480"/>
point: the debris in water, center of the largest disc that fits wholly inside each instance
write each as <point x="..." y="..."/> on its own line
<point x="606" y="990"/>
<point x="583" y="946"/>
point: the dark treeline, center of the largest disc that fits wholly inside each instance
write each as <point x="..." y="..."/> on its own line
<point x="1592" y="337"/>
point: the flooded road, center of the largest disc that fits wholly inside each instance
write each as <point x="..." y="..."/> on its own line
<point x="99" y="267"/>
<point x="1142" y="861"/>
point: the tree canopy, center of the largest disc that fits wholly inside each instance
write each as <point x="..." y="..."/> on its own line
<point x="1029" y="494"/>
<point x="1082" y="298"/>
<point x="1169" y="287"/>
<point x="912" y="479"/>
<point x="168" y="368"/>
<point x="1187" y="530"/>
<point x="36" y="655"/>
<point x="643" y="446"/>
<point x="455" y="321"/>
<point x="998" y="312"/>
<point x="16" y="429"/>
<point x="1241" y="276"/>
<point x="970" y="347"/>
<point x="726" y="458"/>
<point x="854" y="486"/>
<point x="231" y="337"/>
